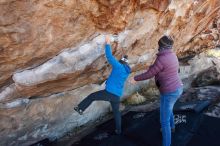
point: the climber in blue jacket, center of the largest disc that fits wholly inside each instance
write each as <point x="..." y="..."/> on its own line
<point x="114" y="86"/>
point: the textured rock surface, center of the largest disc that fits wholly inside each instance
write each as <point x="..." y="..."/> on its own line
<point x="52" y="47"/>
<point x="192" y="70"/>
<point x="214" y="111"/>
<point x="210" y="76"/>
<point x="211" y="93"/>
<point x="47" y="117"/>
<point x="201" y="93"/>
<point x="45" y="45"/>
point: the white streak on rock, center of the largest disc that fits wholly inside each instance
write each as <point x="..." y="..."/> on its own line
<point x="8" y="92"/>
<point x="143" y="58"/>
<point x="14" y="104"/>
<point x="69" y="61"/>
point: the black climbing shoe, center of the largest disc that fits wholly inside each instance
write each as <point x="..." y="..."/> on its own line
<point x="78" y="110"/>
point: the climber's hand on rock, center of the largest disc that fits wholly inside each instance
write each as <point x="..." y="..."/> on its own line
<point x="107" y="39"/>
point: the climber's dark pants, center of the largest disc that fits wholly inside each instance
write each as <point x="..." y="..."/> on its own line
<point x="106" y="96"/>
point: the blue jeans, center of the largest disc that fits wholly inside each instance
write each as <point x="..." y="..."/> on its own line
<point x="105" y="96"/>
<point x="167" y="101"/>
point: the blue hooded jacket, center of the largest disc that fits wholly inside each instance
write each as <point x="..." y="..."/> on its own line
<point x="119" y="73"/>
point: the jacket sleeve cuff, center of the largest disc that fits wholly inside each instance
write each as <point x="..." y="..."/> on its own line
<point x="136" y="78"/>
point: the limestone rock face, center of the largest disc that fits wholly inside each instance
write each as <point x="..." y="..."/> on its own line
<point x="210" y="76"/>
<point x="201" y="93"/>
<point x="49" y="117"/>
<point x="211" y="93"/>
<point x="50" y="48"/>
<point x="201" y="70"/>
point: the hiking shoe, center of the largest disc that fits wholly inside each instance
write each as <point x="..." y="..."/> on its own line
<point x="78" y="110"/>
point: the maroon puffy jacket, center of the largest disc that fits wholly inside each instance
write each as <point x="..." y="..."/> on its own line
<point x="165" y="70"/>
